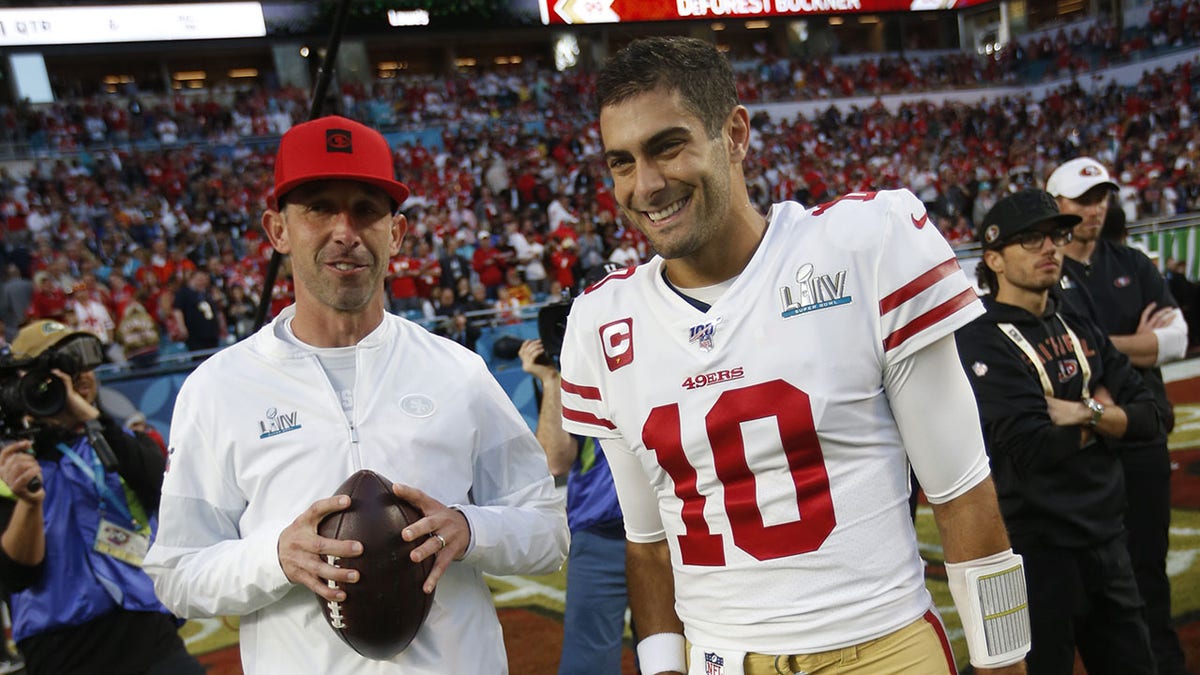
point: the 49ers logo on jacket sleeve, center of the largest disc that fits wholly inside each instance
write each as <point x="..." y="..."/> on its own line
<point x="617" y="340"/>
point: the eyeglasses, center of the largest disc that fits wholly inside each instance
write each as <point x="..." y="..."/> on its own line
<point x="1031" y="240"/>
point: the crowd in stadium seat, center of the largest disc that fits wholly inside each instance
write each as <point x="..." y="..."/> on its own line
<point x="105" y="232"/>
<point x="473" y="98"/>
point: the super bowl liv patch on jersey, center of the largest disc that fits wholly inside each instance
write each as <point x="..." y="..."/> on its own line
<point x="813" y="291"/>
<point x="278" y="423"/>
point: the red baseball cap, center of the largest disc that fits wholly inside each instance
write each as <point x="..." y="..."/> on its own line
<point x="334" y="148"/>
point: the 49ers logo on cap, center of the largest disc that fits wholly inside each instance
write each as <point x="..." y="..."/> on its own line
<point x="1089" y="170"/>
<point x="338" y="140"/>
<point x="617" y="341"/>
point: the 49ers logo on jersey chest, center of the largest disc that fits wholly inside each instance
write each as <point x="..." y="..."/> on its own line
<point x="705" y="379"/>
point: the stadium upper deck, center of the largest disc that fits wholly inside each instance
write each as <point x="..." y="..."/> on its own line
<point x="98" y="49"/>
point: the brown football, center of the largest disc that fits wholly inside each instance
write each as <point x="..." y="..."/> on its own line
<point x="384" y="610"/>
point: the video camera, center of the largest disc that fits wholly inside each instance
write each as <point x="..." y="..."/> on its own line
<point x="29" y="388"/>
<point x="552" y="326"/>
<point x="552" y="319"/>
<point x="551" y="322"/>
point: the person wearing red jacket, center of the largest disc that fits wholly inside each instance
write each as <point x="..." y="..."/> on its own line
<point x="489" y="263"/>
<point x="49" y="299"/>
<point x="563" y="260"/>
<point x="403" y="271"/>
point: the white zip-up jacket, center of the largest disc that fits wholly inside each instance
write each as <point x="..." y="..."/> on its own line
<point x="259" y="434"/>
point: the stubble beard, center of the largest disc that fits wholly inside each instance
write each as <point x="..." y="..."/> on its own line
<point x="344" y="296"/>
<point x="693" y="235"/>
<point x="1039" y="284"/>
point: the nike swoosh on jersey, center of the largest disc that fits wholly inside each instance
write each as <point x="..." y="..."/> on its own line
<point x="920" y="222"/>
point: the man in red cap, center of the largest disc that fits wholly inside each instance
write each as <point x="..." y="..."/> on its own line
<point x="265" y="430"/>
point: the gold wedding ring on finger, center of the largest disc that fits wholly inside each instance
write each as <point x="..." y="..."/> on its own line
<point x="440" y="538"/>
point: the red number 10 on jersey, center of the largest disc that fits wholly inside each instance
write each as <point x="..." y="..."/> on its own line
<point x="792" y="411"/>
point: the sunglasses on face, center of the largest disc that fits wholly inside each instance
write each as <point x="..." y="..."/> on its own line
<point x="1031" y="240"/>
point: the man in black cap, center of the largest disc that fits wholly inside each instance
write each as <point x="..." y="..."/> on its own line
<point x="1053" y="395"/>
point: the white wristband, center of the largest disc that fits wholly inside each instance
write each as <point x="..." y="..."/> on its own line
<point x="990" y="596"/>
<point x="1172" y="340"/>
<point x="661" y="652"/>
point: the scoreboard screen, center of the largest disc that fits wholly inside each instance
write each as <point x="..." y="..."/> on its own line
<point x="558" y="12"/>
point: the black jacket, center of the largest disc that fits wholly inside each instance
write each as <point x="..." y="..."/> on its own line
<point x="1052" y="492"/>
<point x="1113" y="290"/>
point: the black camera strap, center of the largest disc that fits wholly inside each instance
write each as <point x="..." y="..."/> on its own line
<point x="95" y="436"/>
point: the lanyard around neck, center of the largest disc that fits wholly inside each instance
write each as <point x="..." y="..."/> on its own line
<point x="96" y="471"/>
<point x="1019" y="340"/>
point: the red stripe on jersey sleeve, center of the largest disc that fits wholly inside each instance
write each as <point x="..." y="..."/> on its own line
<point x="587" y="418"/>
<point x="929" y="318"/>
<point x="917" y="286"/>
<point x="590" y="393"/>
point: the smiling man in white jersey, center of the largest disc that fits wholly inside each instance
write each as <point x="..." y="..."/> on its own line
<point x="764" y="384"/>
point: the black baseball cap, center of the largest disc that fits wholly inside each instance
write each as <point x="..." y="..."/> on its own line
<point x="1018" y="212"/>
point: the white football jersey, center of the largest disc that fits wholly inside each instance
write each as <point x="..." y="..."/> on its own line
<point x="762" y="426"/>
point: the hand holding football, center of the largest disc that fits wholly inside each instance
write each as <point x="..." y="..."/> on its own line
<point x="385" y="608"/>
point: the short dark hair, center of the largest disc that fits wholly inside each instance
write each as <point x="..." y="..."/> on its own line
<point x="1115" y="227"/>
<point x="694" y="68"/>
<point x="986" y="278"/>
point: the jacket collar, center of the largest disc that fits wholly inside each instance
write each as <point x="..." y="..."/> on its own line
<point x="268" y="342"/>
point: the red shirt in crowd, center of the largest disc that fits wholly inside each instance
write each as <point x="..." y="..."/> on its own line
<point x="403" y="271"/>
<point x="563" y="260"/>
<point x="488" y="263"/>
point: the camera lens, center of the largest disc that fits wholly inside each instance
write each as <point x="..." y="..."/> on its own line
<point x="38" y="393"/>
<point x="41" y="393"/>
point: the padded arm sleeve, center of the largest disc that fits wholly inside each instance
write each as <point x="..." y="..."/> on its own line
<point x="943" y="440"/>
<point x="1172" y="340"/>
<point x="639" y="504"/>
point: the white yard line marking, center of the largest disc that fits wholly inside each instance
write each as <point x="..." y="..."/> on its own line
<point x="526" y="588"/>
<point x="1181" y="370"/>
<point x="1179" y="562"/>
<point x="207" y="628"/>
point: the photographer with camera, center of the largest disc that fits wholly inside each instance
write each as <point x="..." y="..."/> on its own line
<point x="594" y="614"/>
<point x="85" y="496"/>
